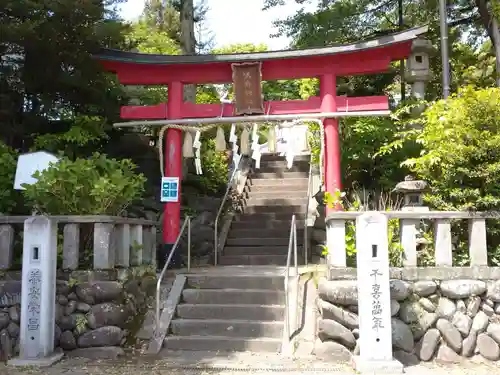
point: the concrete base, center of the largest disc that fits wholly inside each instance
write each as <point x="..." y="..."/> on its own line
<point x="37" y="362"/>
<point x="375" y="367"/>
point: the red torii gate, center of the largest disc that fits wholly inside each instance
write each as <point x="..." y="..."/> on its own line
<point x="328" y="63"/>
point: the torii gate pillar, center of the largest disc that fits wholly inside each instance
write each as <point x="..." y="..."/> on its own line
<point x="173" y="168"/>
<point x="332" y="172"/>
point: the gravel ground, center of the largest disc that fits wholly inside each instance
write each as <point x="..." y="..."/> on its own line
<point x="240" y="363"/>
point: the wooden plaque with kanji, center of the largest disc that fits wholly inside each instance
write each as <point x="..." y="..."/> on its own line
<point x="247" y="86"/>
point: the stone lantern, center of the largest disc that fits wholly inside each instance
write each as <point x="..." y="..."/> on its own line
<point x="412" y="191"/>
<point x="417" y="67"/>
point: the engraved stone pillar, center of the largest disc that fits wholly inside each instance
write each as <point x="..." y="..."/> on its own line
<point x="374" y="300"/>
<point x="38" y="293"/>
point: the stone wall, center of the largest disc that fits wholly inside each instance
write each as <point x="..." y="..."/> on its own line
<point x="94" y="309"/>
<point x="448" y="314"/>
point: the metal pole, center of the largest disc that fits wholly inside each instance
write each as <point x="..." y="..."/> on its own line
<point x="444" y="48"/>
<point x="189" y="244"/>
<point x="258" y="118"/>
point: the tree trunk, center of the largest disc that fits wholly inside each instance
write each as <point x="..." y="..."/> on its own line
<point x="490" y="23"/>
<point x="188" y="41"/>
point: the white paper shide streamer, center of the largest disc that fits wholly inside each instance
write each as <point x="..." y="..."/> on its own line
<point x="197" y="147"/>
<point x="256" y="155"/>
<point x="187" y="146"/>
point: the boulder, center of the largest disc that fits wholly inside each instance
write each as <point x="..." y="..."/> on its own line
<point x="459" y="289"/>
<point x="104" y="336"/>
<point x="400" y="290"/>
<point x="428" y="344"/>
<point x="344" y="317"/>
<point x="487" y="347"/>
<point x="462" y="322"/>
<point x="331" y="330"/>
<point x="99" y="291"/>
<point x="109" y="314"/>
<point x="402" y="338"/>
<point x="331" y="351"/>
<point x="424" y="288"/>
<point x="339" y="292"/>
<point x="450" y="334"/>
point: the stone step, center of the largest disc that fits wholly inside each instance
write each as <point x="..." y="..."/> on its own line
<point x="264" y="224"/>
<point x="288" y="184"/>
<point x="270" y="201"/>
<point x="212" y="281"/>
<point x="255" y="250"/>
<point x="239" y="312"/>
<point x="257" y="174"/>
<point x="224" y="327"/>
<point x="282" y="167"/>
<point x="253" y="260"/>
<point x="234" y="296"/>
<point x="276" y="193"/>
<point x="266" y="217"/>
<point x="283" y="241"/>
<point x="222" y="344"/>
<point x="267" y="158"/>
<point x="290" y="210"/>
<point x="263" y="233"/>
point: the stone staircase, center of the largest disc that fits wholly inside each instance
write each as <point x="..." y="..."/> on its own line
<point x="259" y="234"/>
<point x="236" y="311"/>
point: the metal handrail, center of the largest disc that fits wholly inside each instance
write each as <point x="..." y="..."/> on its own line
<point x="292" y="243"/>
<point x="306" y="238"/>
<point x="187" y="223"/>
<point x="219" y="212"/>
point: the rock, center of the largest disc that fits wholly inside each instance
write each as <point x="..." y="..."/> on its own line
<point x="480" y="322"/>
<point x="104" y="336"/>
<point x="447" y="355"/>
<point x="493" y="291"/>
<point x="489" y="302"/>
<point x="427" y="304"/>
<point x="344" y="317"/>
<point x="67" y="323"/>
<point x="5" y="345"/>
<point x="488" y="348"/>
<point x="62" y="287"/>
<point x="494" y="332"/>
<point x="67" y="340"/>
<point x="434" y="298"/>
<point x="355" y="332"/>
<point x="473" y="306"/>
<point x="450" y="334"/>
<point x="497" y="309"/>
<point x="70" y="308"/>
<point x="82" y="307"/>
<point x="458" y="289"/>
<point x="469" y="345"/>
<point x="57" y="335"/>
<point x="4" y="320"/>
<point x="394" y="307"/>
<point x="341" y="292"/>
<point x="429" y="344"/>
<point x="425" y="322"/>
<point x="13" y="330"/>
<point x="353" y="308"/>
<point x="99" y="291"/>
<point x="407" y="359"/>
<point x="62" y="300"/>
<point x="331" y="330"/>
<point x="72" y="296"/>
<point x="109" y="314"/>
<point x="331" y="351"/>
<point x="424" y="288"/>
<point x="462" y="322"/>
<point x="106" y="352"/>
<point x="446" y="308"/>
<point x="410" y="312"/>
<point x="15" y="314"/>
<point x="488" y="310"/>
<point x="461" y="307"/>
<point x="357" y="348"/>
<point x="402" y="337"/>
<point x="400" y="290"/>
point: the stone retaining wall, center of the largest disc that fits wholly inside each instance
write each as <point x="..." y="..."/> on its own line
<point x="448" y="314"/>
<point x="94" y="309"/>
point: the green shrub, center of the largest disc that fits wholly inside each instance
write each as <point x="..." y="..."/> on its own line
<point x="8" y="161"/>
<point x="94" y="186"/>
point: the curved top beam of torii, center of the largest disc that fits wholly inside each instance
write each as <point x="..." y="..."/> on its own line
<point x="366" y="57"/>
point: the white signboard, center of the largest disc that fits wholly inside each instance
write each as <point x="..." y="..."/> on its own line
<point x="28" y="164"/>
<point x="169" y="189"/>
